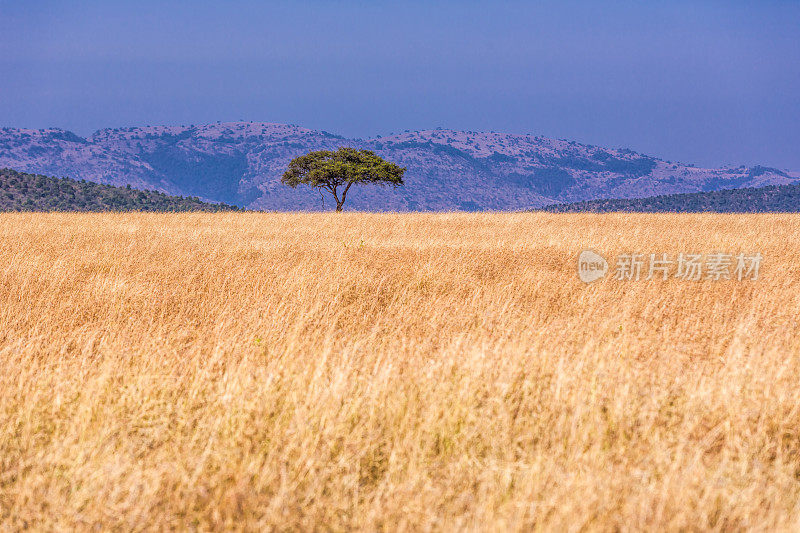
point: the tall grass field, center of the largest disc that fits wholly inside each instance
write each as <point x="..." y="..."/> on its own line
<point x="395" y="372"/>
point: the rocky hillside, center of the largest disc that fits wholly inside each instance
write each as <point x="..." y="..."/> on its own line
<point x="241" y="163"/>
<point x="29" y="192"/>
<point x="769" y="199"/>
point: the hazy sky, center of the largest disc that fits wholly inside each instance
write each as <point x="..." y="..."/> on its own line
<point x="695" y="81"/>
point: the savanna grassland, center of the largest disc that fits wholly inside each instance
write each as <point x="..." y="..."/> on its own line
<point x="399" y="372"/>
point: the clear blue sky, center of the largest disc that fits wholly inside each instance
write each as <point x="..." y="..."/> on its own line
<point x="695" y="81"/>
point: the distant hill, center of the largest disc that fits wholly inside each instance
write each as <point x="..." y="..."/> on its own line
<point x="241" y="163"/>
<point x="770" y="199"/>
<point x="30" y="192"/>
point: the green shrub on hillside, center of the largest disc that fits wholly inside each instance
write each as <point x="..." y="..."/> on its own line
<point x="30" y="192"/>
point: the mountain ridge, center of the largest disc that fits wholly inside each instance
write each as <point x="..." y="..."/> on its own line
<point x="20" y="191"/>
<point x="767" y="199"/>
<point x="241" y="163"/>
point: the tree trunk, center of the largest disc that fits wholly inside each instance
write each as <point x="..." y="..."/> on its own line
<point x="340" y="203"/>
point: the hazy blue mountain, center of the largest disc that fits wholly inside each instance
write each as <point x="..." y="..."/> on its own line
<point x="241" y="163"/>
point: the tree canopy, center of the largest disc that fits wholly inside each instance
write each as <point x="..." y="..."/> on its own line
<point x="336" y="171"/>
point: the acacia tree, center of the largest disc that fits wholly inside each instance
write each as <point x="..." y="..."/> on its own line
<point x="335" y="172"/>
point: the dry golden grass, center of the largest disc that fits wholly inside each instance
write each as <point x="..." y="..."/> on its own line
<point x="411" y="372"/>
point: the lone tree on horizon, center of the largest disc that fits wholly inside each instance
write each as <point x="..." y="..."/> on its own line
<point x="331" y="171"/>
